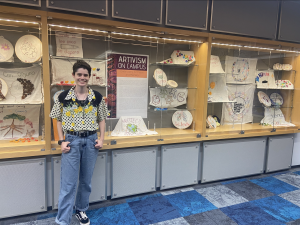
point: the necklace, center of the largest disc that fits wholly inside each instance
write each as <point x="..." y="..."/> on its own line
<point x="80" y="97"/>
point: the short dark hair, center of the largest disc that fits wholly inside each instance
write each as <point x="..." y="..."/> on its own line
<point x="81" y="64"/>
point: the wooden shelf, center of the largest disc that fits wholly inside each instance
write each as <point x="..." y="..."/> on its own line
<point x="255" y="127"/>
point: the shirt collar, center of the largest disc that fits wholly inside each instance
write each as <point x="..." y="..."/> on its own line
<point x="71" y="94"/>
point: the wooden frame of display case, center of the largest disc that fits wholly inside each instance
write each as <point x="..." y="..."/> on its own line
<point x="202" y="55"/>
<point x="14" y="150"/>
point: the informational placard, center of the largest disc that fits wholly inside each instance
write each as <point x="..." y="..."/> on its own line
<point x="24" y="85"/>
<point x="127" y="81"/>
<point x="240" y="70"/>
<point x="240" y="111"/>
<point x="19" y="121"/>
<point x="215" y="65"/>
<point x="68" y="45"/>
<point x="62" y="70"/>
<point x="265" y="79"/>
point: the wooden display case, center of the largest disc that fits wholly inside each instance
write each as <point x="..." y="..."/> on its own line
<point x="162" y="40"/>
<point x="265" y="54"/>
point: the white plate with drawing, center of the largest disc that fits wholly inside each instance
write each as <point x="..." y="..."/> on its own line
<point x="6" y="50"/>
<point x="276" y="99"/>
<point x="160" y="77"/>
<point x="3" y="89"/>
<point x="29" y="49"/>
<point x="264" y="98"/>
<point x="182" y="119"/>
<point x="211" y="122"/>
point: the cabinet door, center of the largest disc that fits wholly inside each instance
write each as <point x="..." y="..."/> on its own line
<point x="23" y="187"/>
<point x="142" y="10"/>
<point x="24" y="2"/>
<point x="289" y="21"/>
<point x="191" y="14"/>
<point x="280" y="152"/>
<point x="87" y="6"/>
<point x="230" y="159"/>
<point x="254" y="18"/>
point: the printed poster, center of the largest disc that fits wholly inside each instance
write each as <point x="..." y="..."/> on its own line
<point x="240" y="111"/>
<point x="19" y="121"/>
<point x="24" y="85"/>
<point x="127" y="80"/>
<point x="240" y="70"/>
<point x="68" y="45"/>
<point x="62" y="70"/>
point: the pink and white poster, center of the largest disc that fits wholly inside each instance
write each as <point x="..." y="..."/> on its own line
<point x="127" y="80"/>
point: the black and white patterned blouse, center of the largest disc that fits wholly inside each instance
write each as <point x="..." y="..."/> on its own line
<point x="77" y="115"/>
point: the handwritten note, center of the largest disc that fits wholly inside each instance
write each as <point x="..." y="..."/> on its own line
<point x="69" y="45"/>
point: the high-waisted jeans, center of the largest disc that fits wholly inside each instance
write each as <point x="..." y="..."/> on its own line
<point x="80" y="160"/>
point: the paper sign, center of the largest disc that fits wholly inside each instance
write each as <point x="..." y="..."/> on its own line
<point x="69" y="45"/>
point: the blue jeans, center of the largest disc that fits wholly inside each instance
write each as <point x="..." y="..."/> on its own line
<point x="80" y="160"/>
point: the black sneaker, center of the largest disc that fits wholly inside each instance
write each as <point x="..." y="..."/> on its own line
<point x="82" y="217"/>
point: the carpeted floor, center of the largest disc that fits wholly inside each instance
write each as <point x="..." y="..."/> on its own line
<point x="265" y="199"/>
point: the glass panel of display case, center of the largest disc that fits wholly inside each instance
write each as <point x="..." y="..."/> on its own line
<point x="133" y="81"/>
<point x="255" y="88"/>
<point x="66" y="47"/>
<point x="179" y="95"/>
<point x="21" y="86"/>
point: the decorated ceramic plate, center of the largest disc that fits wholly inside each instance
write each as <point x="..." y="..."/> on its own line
<point x="183" y="57"/>
<point x="211" y="122"/>
<point x="218" y="121"/>
<point x="160" y="77"/>
<point x="29" y="49"/>
<point x="172" y="84"/>
<point x="264" y="98"/>
<point x="6" y="50"/>
<point x="55" y="96"/>
<point x="276" y="99"/>
<point x="3" y="89"/>
<point x="182" y="119"/>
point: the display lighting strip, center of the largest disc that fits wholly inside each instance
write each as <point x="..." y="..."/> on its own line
<point x="78" y="28"/>
<point x="144" y="36"/>
<point x="133" y="35"/>
<point x="254" y="47"/>
<point x="18" y="21"/>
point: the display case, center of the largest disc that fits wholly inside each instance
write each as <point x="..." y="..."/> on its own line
<point x="22" y="123"/>
<point x="150" y="81"/>
<point x="252" y="88"/>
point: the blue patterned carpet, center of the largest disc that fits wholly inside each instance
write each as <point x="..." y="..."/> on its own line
<point x="266" y="199"/>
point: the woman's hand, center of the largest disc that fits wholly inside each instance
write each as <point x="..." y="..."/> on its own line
<point x="99" y="144"/>
<point x="64" y="147"/>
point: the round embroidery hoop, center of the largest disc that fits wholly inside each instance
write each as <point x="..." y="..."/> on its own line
<point x="3" y="89"/>
<point x="6" y="50"/>
<point x="276" y="99"/>
<point x="182" y="119"/>
<point x="264" y="98"/>
<point x="211" y="122"/>
<point x="172" y="84"/>
<point x="55" y="96"/>
<point x="29" y="49"/>
<point x="160" y="77"/>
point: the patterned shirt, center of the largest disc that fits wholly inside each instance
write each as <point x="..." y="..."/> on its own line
<point x="77" y="116"/>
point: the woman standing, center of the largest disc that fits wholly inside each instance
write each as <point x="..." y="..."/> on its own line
<point x="79" y="111"/>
